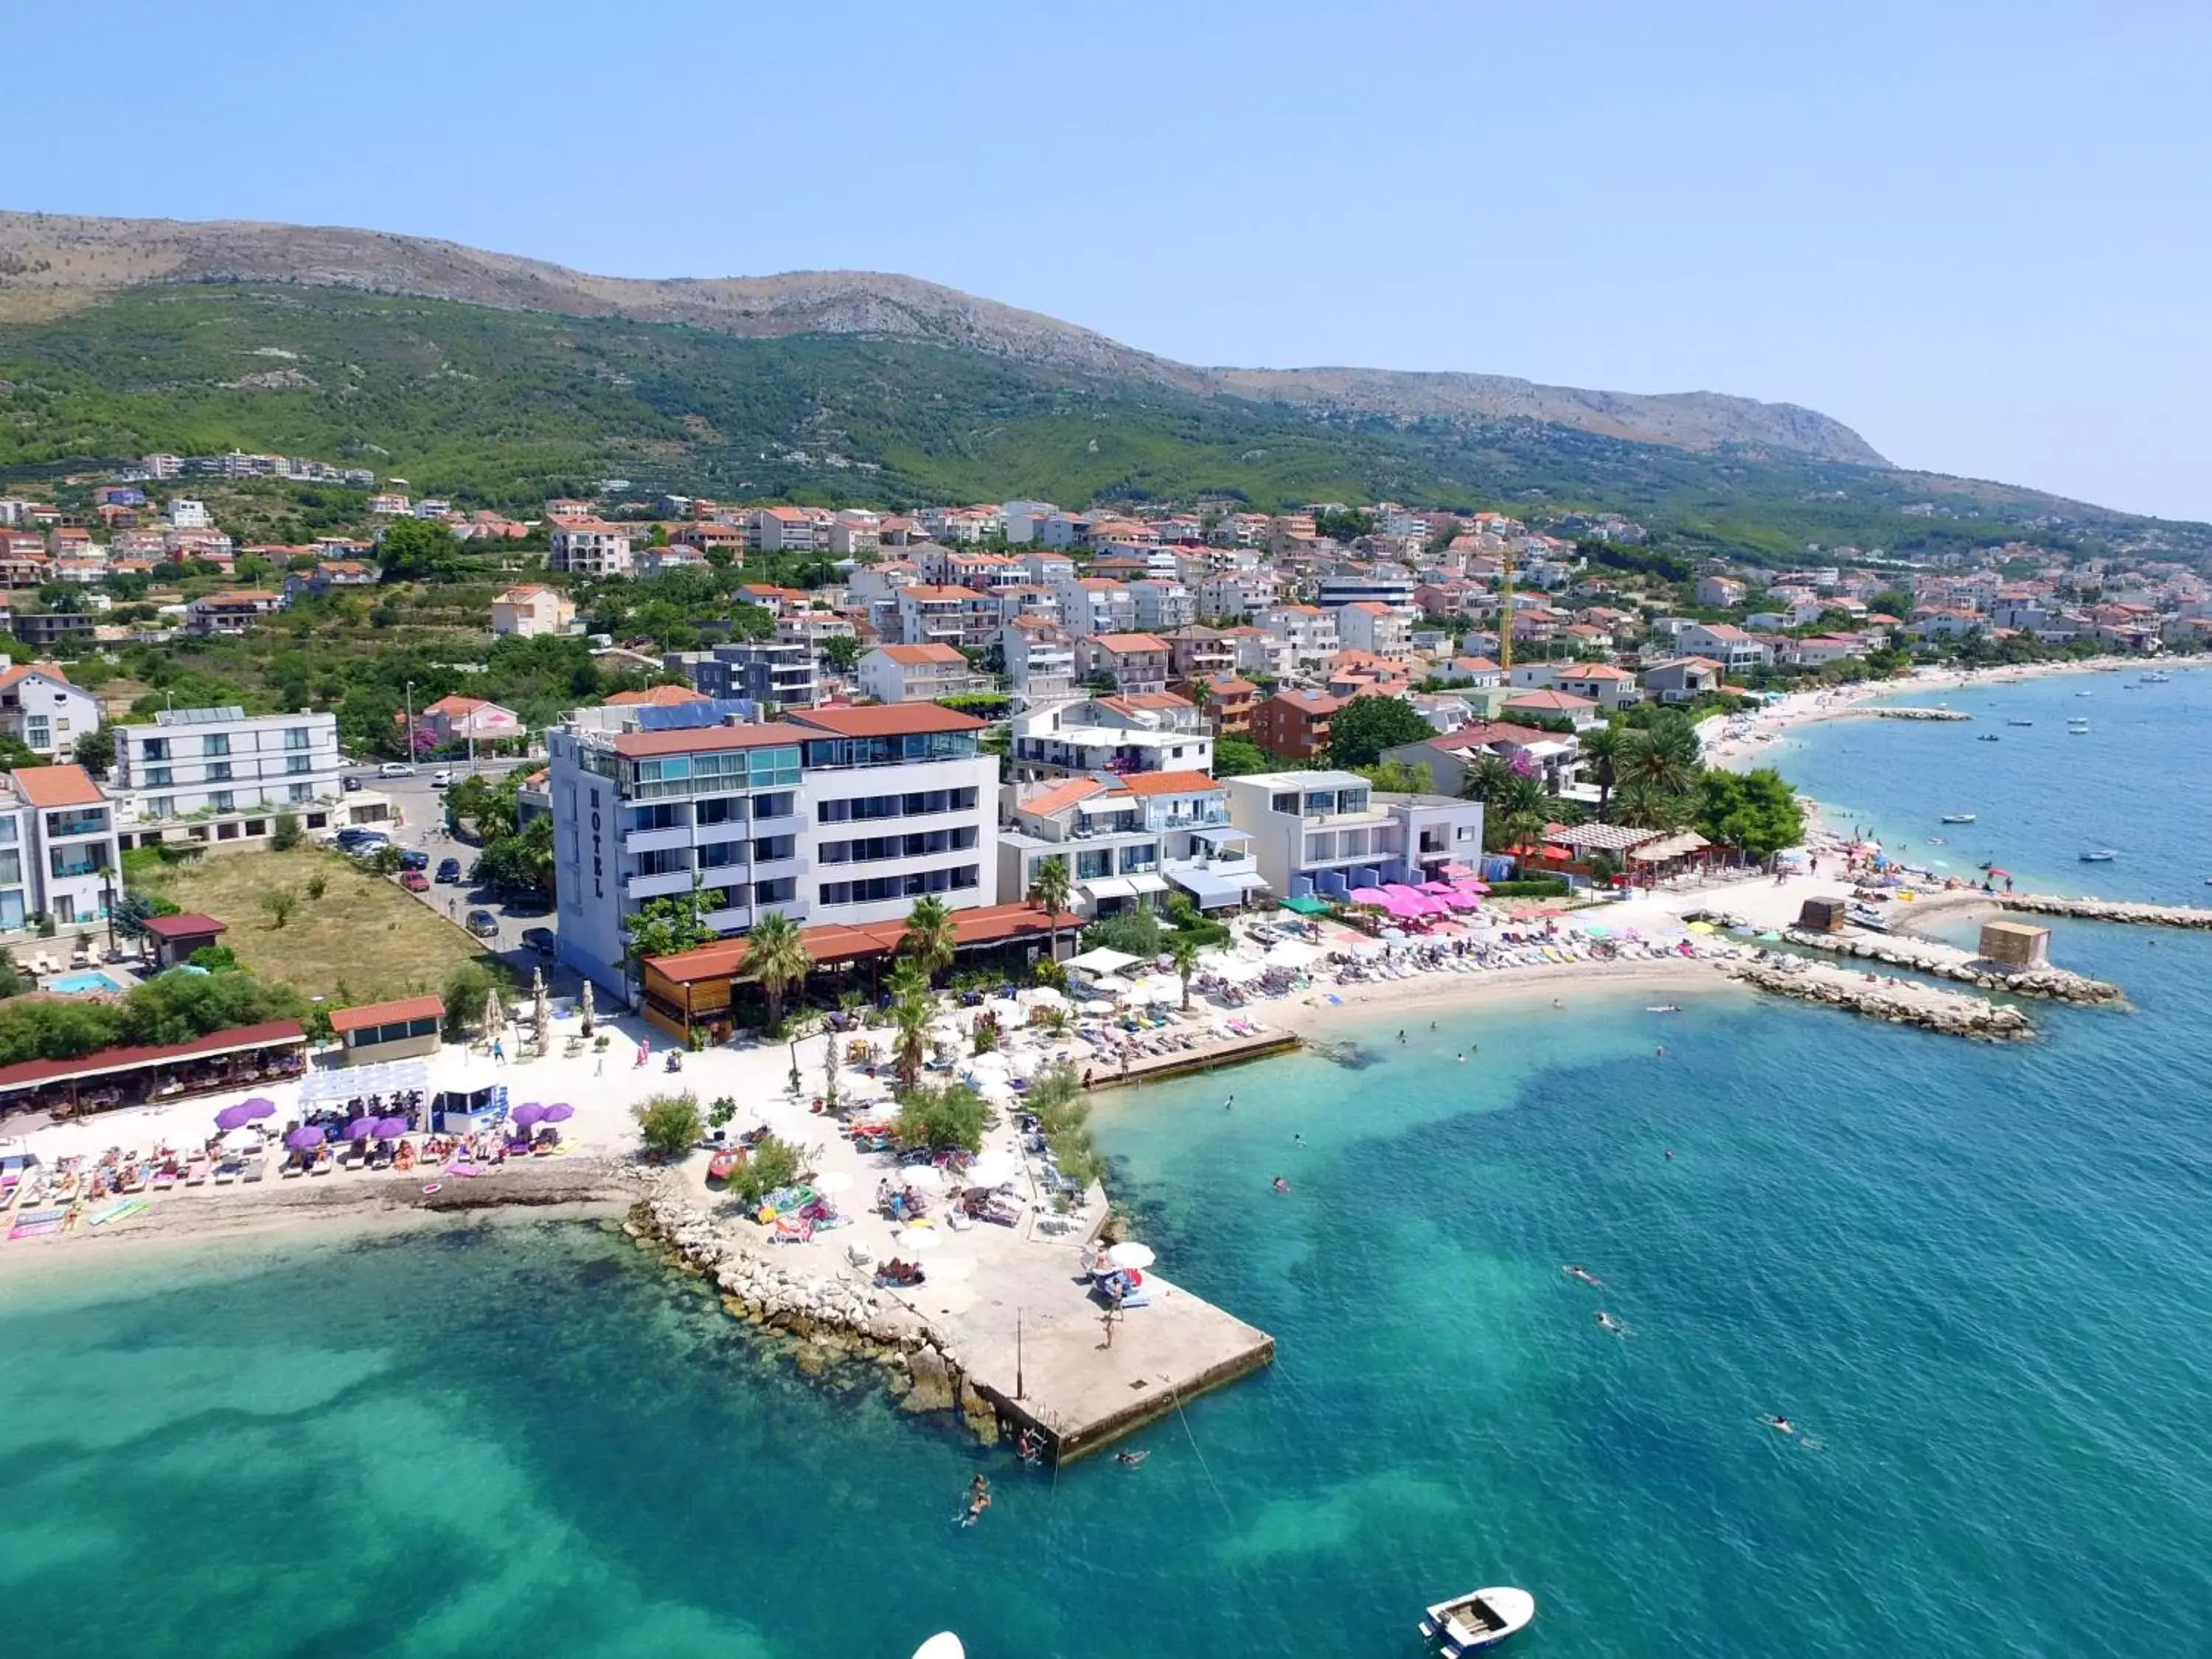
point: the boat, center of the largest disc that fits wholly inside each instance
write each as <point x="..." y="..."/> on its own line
<point x="1481" y="1618"/>
<point x="1957" y="817"/>
<point x="725" y="1163"/>
<point x="2104" y="857"/>
<point x="2082" y="694"/>
<point x="1987" y="736"/>
<point x="1859" y="916"/>
<point x="2020" y="722"/>
<point x="2158" y="677"/>
<point x="943" y="1645"/>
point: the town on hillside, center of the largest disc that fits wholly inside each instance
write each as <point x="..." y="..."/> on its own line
<point x="640" y="726"/>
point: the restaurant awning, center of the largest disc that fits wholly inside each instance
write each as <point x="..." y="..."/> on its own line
<point x="1101" y="961"/>
<point x="1306" y="905"/>
<point x="1212" y="886"/>
<point x="1671" y="846"/>
<point x="1148" y="881"/>
<point x="1108" y="887"/>
<point x="1221" y="834"/>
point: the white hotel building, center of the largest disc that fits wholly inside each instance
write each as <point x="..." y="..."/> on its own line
<point x="222" y="775"/>
<point x="833" y="815"/>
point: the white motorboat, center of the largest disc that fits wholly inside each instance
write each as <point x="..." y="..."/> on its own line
<point x="1482" y="1619"/>
<point x="2158" y="677"/>
<point x="943" y="1645"/>
<point x="2020" y="722"/>
<point x="2105" y="856"/>
<point x="1957" y="817"/>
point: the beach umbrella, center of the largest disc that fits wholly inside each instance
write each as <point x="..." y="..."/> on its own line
<point x="361" y="1128"/>
<point x="559" y="1112"/>
<point x="916" y="1238"/>
<point x="305" y="1137"/>
<point x="525" y="1115"/>
<point x="541" y="1008"/>
<point x="239" y="1141"/>
<point x="234" y="1117"/>
<point x="922" y="1175"/>
<point x="836" y="1181"/>
<point x="1130" y="1254"/>
<point x="387" y="1128"/>
<point x="495" y="1015"/>
<point x="257" y="1107"/>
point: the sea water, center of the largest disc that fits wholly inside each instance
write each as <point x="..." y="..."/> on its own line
<point x="1973" y="1277"/>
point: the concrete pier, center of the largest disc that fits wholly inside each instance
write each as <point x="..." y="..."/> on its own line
<point x="1930" y="1007"/>
<point x="2091" y="909"/>
<point x="1222" y="1051"/>
<point x="1923" y="956"/>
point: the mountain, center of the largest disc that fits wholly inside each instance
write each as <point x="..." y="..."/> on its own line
<point x="498" y="381"/>
<point x="57" y="260"/>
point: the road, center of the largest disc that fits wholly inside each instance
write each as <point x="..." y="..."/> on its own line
<point x="423" y="828"/>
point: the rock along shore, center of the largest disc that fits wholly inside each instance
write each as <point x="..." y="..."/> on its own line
<point x="2053" y="984"/>
<point x="2090" y="909"/>
<point x="1954" y="1014"/>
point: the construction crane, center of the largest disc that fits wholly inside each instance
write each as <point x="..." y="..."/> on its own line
<point x="1505" y="614"/>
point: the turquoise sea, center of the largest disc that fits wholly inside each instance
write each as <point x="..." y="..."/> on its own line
<point x="1974" y="1278"/>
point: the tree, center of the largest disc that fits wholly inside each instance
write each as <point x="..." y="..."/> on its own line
<point x="670" y="1125"/>
<point x="1512" y="803"/>
<point x="843" y="651"/>
<point x="949" y="1118"/>
<point x="1183" y="951"/>
<point x="95" y="750"/>
<point x="1664" y="756"/>
<point x="1361" y="729"/>
<point x="1642" y="805"/>
<point x="284" y="833"/>
<point x="1052" y="891"/>
<point x="464" y="994"/>
<point x="1391" y="777"/>
<point x="770" y="1163"/>
<point x="1235" y="756"/>
<point x="1757" y="811"/>
<point x="1603" y="749"/>
<point x="520" y="863"/>
<point x="417" y="550"/>
<point x="1892" y="602"/>
<point x="776" y="957"/>
<point x="279" y="905"/>
<point x="911" y="1008"/>
<point x="665" y="926"/>
<point x="929" y="936"/>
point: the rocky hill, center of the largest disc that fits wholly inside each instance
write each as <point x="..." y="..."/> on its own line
<point x="50" y="263"/>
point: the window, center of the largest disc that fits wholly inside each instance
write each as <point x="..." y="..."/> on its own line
<point x="1285" y="803"/>
<point x="779" y="891"/>
<point x="163" y="806"/>
<point x="221" y="800"/>
<point x="11" y="869"/>
<point x="300" y="791"/>
<point x="216" y="745"/>
<point x="155" y="748"/>
<point x="295" y="737"/>
<point x="720" y="809"/>
<point x="297" y="763"/>
<point x="1091" y="866"/>
<point x="157" y="777"/>
<point x="218" y="772"/>
<point x="721" y="854"/>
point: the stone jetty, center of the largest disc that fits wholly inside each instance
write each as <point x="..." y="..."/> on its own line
<point x="1907" y="714"/>
<point x="1947" y="961"/>
<point x="1930" y="1007"/>
<point x="2093" y="910"/>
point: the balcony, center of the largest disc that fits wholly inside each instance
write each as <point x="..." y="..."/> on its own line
<point x="657" y="841"/>
<point x="85" y="823"/>
<point x="667" y="884"/>
<point x="773" y="869"/>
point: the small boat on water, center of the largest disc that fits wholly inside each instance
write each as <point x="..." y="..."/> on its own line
<point x="2158" y="677"/>
<point x="943" y="1645"/>
<point x="1957" y="817"/>
<point x="1480" y="1620"/>
<point x="2020" y="722"/>
<point x="2106" y="856"/>
<point x="1988" y="737"/>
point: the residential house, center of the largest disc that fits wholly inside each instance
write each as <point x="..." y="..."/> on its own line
<point x="531" y="609"/>
<point x="1682" y="679"/>
<point x="1146" y="733"/>
<point x="1326" y="833"/>
<point x="1726" y="644"/>
<point x="1226" y="700"/>
<point x="915" y="673"/>
<point x="1039" y="657"/>
<point x="1127" y="840"/>
<point x="1306" y="633"/>
<point x="588" y="547"/>
<point x="1196" y="651"/>
<point x="232" y="614"/>
<point x="1552" y="758"/>
<point x="772" y="674"/>
<point x="1381" y="630"/>
<point x="1293" y="724"/>
<point x="1132" y="662"/>
<point x="453" y="721"/>
<point x="58" y="854"/>
<point x="43" y="629"/>
<point x="1722" y="592"/>
<point x="1162" y="605"/>
<point x="40" y="708"/>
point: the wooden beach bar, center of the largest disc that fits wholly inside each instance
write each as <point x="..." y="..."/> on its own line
<point x="132" y="1076"/>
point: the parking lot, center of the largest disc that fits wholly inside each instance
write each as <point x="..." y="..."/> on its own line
<point x="421" y="829"/>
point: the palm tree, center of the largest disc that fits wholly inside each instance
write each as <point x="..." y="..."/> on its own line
<point x="1052" y="890"/>
<point x="1646" y="807"/>
<point x="1183" y="951"/>
<point x="1513" y="810"/>
<point x="777" y="958"/>
<point x="1603" y="749"/>
<point x="1666" y="756"/>
<point x="911" y="1007"/>
<point x="929" y="936"/>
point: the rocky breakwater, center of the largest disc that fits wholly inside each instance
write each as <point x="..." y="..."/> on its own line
<point x="1907" y="714"/>
<point x="2091" y="909"/>
<point x="1942" y="962"/>
<point x="825" y="1317"/>
<point x="1954" y="1013"/>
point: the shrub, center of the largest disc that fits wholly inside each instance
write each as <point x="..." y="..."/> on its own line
<point x="1534" y="887"/>
<point x="670" y="1125"/>
<point x="769" y="1165"/>
<point x="1063" y="1117"/>
<point x="278" y="906"/>
<point x="1134" y="933"/>
<point x="721" y="1112"/>
<point x="284" y="833"/>
<point x="943" y="1120"/>
<point x="213" y="957"/>
<point x="318" y="884"/>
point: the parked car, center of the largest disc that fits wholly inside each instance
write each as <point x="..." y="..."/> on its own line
<point x="449" y="869"/>
<point x="531" y="903"/>
<point x="414" y="881"/>
<point x="441" y="780"/>
<point x="414" y="858"/>
<point x="484" y="924"/>
<point x="352" y="783"/>
<point x="395" y="769"/>
<point x="354" y="841"/>
<point x="542" y="940"/>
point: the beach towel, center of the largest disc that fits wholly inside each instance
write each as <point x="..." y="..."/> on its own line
<point x="36" y="1223"/>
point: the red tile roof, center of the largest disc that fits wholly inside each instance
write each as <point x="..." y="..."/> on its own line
<point x="387" y="1013"/>
<point x="105" y="1061"/>
<point x="659" y="697"/>
<point x="914" y="656"/>
<point x="1169" y="783"/>
<point x="57" y="786"/>
<point x="833" y="942"/>
<point x="644" y="746"/>
<point x="889" y="720"/>
<point x="190" y="925"/>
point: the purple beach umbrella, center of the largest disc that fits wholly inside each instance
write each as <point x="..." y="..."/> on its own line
<point x="235" y="1117"/>
<point x="305" y="1137"/>
<point x="528" y="1112"/>
<point x="258" y="1107"/>
<point x="386" y="1128"/>
<point x="556" y="1114"/>
<point x="361" y="1128"/>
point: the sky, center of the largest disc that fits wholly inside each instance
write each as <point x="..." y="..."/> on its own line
<point x="1976" y="231"/>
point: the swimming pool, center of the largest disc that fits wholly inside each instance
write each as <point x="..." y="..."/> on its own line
<point x="87" y="984"/>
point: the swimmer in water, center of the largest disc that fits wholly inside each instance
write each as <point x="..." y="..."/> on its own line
<point x="1670" y="1154"/>
<point x="1230" y="1104"/>
<point x="1584" y="1274"/>
<point x="1660" y="1053"/>
<point x="1297" y="1140"/>
<point x="1606" y="1322"/>
<point x="1780" y="1424"/>
<point x="1462" y="1059"/>
<point x="1129" y="1460"/>
<point x="1281" y="1185"/>
<point x="1401" y="1034"/>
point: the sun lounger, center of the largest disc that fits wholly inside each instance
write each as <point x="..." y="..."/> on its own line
<point x="227" y="1172"/>
<point x="253" y="1168"/>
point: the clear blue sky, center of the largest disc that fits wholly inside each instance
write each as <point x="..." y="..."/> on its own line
<point x="1980" y="234"/>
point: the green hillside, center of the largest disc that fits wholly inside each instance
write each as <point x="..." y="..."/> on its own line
<point x="502" y="408"/>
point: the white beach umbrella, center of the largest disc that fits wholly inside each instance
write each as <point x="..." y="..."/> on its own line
<point x="838" y="1180"/>
<point x="921" y="1174"/>
<point x="1130" y="1254"/>
<point x="917" y="1238"/>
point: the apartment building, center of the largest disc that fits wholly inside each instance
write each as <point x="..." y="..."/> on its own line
<point x="1132" y="662"/>
<point x="843" y="815"/>
<point x="1226" y="700"/>
<point x="1162" y="605"/>
<point x="1305" y="633"/>
<point x="1095" y="604"/>
<point x="231" y="614"/>
<point x="1125" y="735"/>
<point x="930" y="613"/>
<point x="1323" y="834"/>
<point x="220" y="775"/>
<point x="531" y="609"/>
<point x="773" y="673"/>
<point x="1128" y="842"/>
<point x="915" y="673"/>
<point x="59" y="853"/>
<point x="39" y="706"/>
<point x="588" y="547"/>
<point x="1293" y="724"/>
<point x="1371" y="626"/>
<point x="1040" y="659"/>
